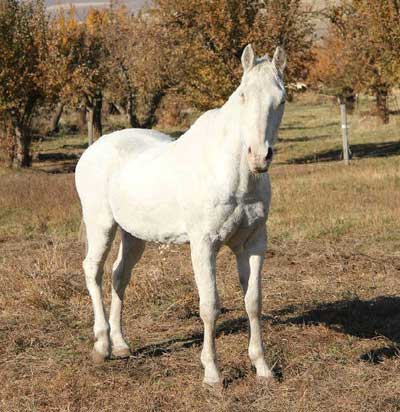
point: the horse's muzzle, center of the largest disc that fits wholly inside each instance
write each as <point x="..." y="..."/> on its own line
<point x="260" y="163"/>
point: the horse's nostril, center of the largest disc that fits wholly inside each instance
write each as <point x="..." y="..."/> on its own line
<point x="249" y="150"/>
<point x="269" y="154"/>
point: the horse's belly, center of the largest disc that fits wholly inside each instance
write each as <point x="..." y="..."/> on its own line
<point x="145" y="205"/>
<point x="153" y="224"/>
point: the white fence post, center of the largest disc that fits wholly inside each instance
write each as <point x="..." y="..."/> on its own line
<point x="345" y="134"/>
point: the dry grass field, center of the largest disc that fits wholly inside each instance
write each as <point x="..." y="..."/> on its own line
<point x="331" y="289"/>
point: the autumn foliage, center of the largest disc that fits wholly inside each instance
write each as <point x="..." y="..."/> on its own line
<point x="178" y="53"/>
<point x="23" y="51"/>
<point x="361" y="50"/>
<point x="211" y="36"/>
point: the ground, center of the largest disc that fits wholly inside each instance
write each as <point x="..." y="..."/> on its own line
<point x="331" y="289"/>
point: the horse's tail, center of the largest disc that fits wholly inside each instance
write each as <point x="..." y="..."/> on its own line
<point x="82" y="235"/>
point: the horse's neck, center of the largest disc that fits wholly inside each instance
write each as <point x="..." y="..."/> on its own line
<point x="218" y="137"/>
<point x="232" y="149"/>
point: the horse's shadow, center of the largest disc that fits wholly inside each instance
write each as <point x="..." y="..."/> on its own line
<point x="227" y="327"/>
<point x="367" y="319"/>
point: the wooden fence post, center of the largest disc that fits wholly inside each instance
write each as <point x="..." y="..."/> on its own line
<point x="345" y="134"/>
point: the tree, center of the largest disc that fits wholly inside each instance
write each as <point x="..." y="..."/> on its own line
<point x="121" y="40"/>
<point x="23" y="31"/>
<point x="211" y="35"/>
<point x="141" y="60"/>
<point x="365" y="36"/>
<point x="77" y="70"/>
<point x="333" y="71"/>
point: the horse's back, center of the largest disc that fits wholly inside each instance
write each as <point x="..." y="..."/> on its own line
<point x="98" y="163"/>
<point x="129" y="142"/>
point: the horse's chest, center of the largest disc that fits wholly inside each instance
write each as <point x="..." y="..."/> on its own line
<point x="243" y="218"/>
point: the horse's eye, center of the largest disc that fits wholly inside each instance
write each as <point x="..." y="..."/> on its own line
<point x="242" y="97"/>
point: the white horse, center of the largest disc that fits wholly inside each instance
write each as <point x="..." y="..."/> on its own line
<point x="209" y="188"/>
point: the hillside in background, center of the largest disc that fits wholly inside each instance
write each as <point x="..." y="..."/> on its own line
<point x="83" y="5"/>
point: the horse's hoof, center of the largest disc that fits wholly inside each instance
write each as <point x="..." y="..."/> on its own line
<point x="214" y="385"/>
<point x="97" y="357"/>
<point x="265" y="380"/>
<point x="121" y="353"/>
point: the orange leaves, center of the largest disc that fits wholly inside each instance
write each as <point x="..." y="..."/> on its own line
<point x="332" y="68"/>
<point x="368" y="33"/>
<point x="22" y="49"/>
<point x="76" y="67"/>
<point x="96" y="20"/>
<point x="212" y="35"/>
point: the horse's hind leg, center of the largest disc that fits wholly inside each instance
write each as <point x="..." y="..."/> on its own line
<point x="99" y="239"/>
<point x="130" y="251"/>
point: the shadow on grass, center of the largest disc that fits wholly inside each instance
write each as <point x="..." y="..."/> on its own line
<point x="56" y="162"/>
<point x="56" y="156"/>
<point x="301" y="139"/>
<point x="227" y="327"/>
<point x="365" y="150"/>
<point x="376" y="356"/>
<point x="368" y="319"/>
<point x="58" y="168"/>
<point x="79" y="146"/>
<point x="298" y="126"/>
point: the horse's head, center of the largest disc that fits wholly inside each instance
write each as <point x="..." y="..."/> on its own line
<point x="261" y="96"/>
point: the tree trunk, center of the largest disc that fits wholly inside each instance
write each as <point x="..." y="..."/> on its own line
<point x="7" y="142"/>
<point x="89" y="116"/>
<point x="121" y="109"/>
<point x="82" y="118"/>
<point x="95" y="129"/>
<point x="131" y="111"/>
<point x="382" y="109"/>
<point x="112" y="109"/>
<point x="20" y="129"/>
<point x="97" y="126"/>
<point x="22" y="138"/>
<point x="155" y="101"/>
<point x="54" y="122"/>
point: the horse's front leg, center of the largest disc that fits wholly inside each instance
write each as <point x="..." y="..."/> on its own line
<point x="250" y="259"/>
<point x="203" y="260"/>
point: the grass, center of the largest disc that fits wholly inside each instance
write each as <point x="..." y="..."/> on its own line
<point x="331" y="291"/>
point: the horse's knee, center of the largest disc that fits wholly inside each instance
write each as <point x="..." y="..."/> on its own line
<point x="209" y="311"/>
<point x="93" y="269"/>
<point x="253" y="306"/>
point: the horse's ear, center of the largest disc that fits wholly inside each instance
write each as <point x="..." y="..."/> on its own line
<point x="248" y="58"/>
<point x="279" y="59"/>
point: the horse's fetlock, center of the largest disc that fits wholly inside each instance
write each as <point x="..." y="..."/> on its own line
<point x="256" y="349"/>
<point x="256" y="354"/>
<point x="102" y="334"/>
<point x="207" y="358"/>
